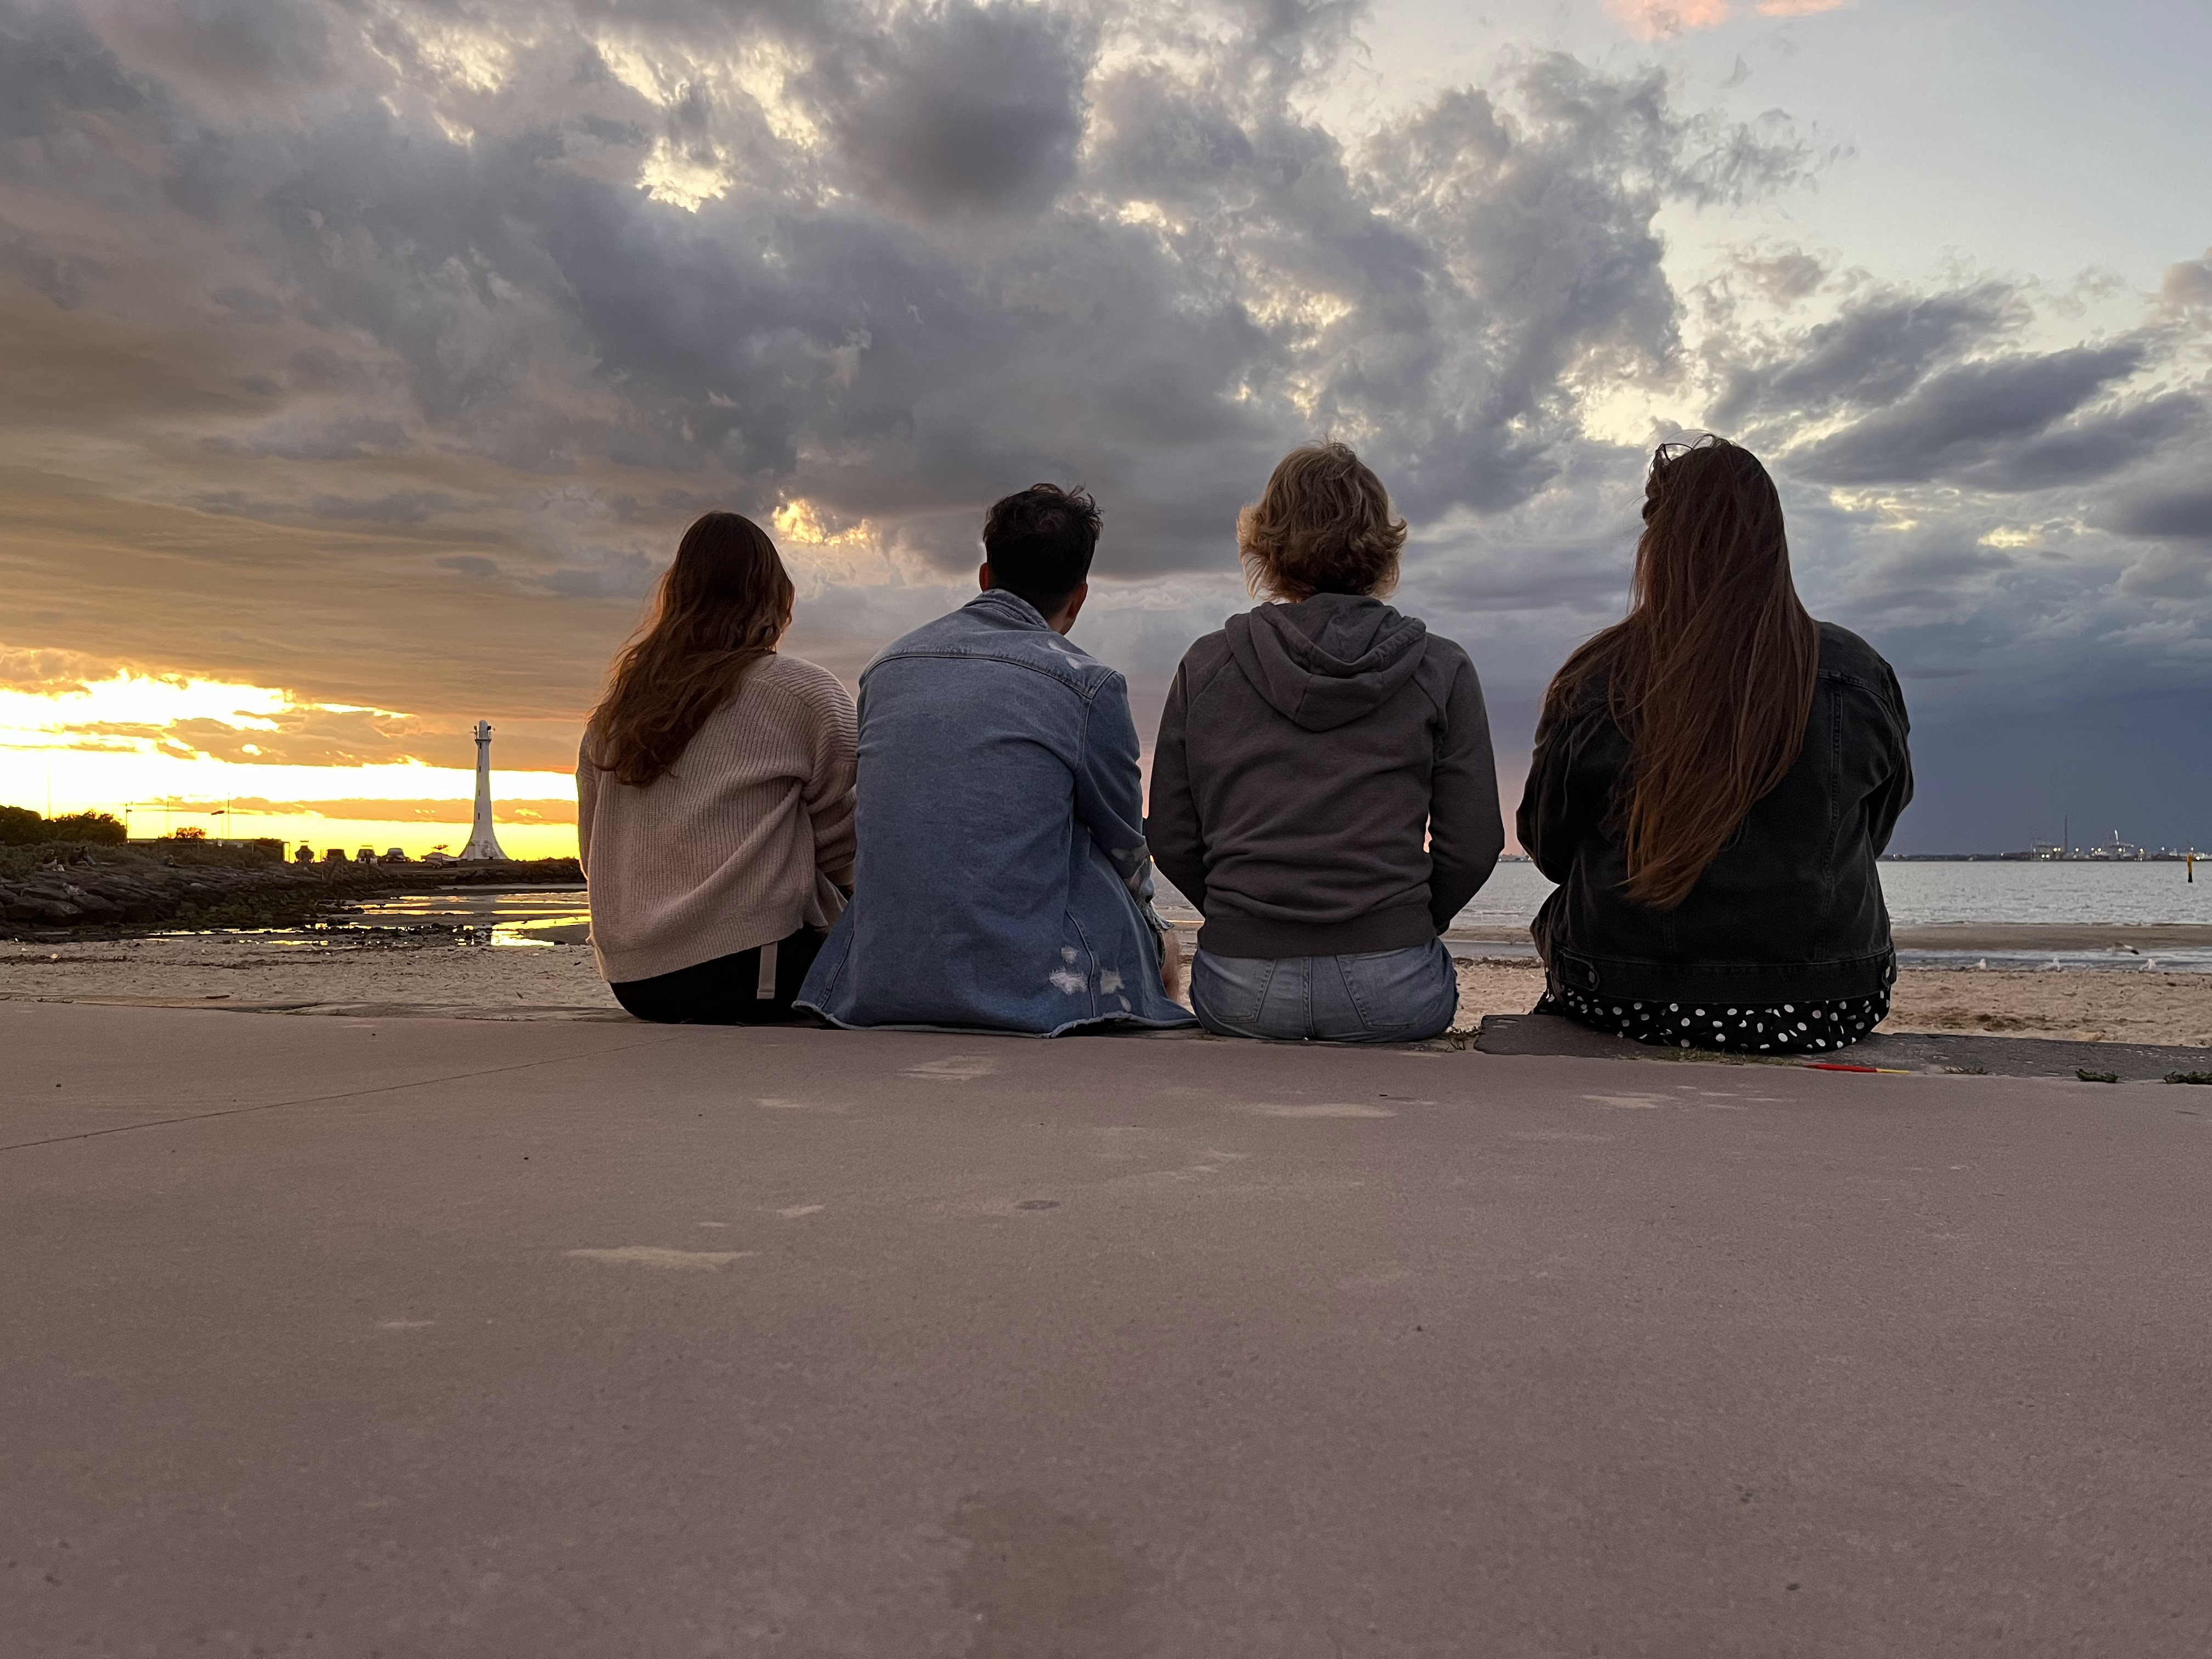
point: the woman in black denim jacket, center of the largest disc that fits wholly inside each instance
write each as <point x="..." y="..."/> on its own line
<point x="1715" y="777"/>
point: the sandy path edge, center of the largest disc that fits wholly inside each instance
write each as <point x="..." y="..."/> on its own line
<point x="561" y="981"/>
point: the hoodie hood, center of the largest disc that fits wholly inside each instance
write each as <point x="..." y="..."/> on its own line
<point x="1327" y="661"/>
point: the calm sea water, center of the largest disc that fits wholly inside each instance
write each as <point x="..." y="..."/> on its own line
<point x="1924" y="895"/>
<point x="486" y="917"/>
<point x="1920" y="895"/>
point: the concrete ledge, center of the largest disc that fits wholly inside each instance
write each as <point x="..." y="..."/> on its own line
<point x="447" y="1338"/>
<point x="224" y="1004"/>
<point x="1898" y="1051"/>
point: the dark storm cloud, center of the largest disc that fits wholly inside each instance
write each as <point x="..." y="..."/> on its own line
<point x="1876" y="350"/>
<point x="1958" y="417"/>
<point x="53" y="66"/>
<point x="397" y="341"/>
<point x="2092" y="447"/>
<point x="961" y="107"/>
<point x="1234" y="279"/>
<point x="2177" y="515"/>
<point x="1975" y="494"/>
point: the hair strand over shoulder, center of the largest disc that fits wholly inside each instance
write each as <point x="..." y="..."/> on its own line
<point x="1710" y="676"/>
<point x="720" y="609"/>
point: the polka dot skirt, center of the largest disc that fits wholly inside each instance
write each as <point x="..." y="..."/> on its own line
<point x="1742" y="1027"/>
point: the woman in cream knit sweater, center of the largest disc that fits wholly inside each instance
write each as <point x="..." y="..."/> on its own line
<point x="714" y="794"/>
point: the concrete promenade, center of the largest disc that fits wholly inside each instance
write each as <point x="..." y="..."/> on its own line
<point x="420" y="1337"/>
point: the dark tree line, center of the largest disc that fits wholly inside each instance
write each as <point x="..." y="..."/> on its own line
<point x="21" y="827"/>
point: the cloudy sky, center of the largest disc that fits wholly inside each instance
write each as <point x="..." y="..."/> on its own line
<point x="365" y="358"/>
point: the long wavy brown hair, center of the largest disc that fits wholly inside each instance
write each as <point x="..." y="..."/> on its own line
<point x="720" y="609"/>
<point x="1710" y="675"/>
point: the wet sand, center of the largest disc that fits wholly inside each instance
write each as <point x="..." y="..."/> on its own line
<point x="423" y="971"/>
<point x="561" y="981"/>
<point x="2146" y="940"/>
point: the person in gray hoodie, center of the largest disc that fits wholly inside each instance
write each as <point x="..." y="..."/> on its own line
<point x="1322" y="789"/>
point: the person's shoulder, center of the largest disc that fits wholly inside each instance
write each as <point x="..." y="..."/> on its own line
<point x="937" y="630"/>
<point x="808" y="681"/>
<point x="1204" y="655"/>
<point x="1444" y="664"/>
<point x="978" y="633"/>
<point x="968" y="630"/>
<point x="1446" y="656"/>
<point x="1844" y="653"/>
<point x="1848" y="660"/>
<point x="779" y="694"/>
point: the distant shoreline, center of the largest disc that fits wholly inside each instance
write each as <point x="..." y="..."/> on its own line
<point x="1997" y="858"/>
<point x="2146" y="937"/>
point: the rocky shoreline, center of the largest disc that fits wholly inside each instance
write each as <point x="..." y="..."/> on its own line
<point x="80" y="889"/>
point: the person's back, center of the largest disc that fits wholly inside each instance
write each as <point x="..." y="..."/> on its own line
<point x="1714" y="781"/>
<point x="1002" y="881"/>
<point x="714" y="793"/>
<point x="1323" y="789"/>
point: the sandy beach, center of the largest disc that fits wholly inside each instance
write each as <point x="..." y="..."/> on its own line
<point x="372" y="969"/>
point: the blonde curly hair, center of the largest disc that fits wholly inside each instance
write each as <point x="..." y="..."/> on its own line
<point x="1322" y="526"/>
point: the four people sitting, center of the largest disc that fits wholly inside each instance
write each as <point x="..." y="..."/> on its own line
<point x="1714" y="778"/>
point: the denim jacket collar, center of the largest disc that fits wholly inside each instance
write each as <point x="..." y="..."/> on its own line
<point x="1016" y="610"/>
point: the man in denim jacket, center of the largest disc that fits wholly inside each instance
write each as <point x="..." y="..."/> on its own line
<point x="1002" y="881"/>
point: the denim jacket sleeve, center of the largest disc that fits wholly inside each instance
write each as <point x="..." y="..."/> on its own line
<point x="1109" y="797"/>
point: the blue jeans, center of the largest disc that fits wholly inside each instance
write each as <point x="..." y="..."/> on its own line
<point x="1381" y="996"/>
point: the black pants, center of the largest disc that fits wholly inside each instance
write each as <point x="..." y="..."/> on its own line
<point x="726" y="991"/>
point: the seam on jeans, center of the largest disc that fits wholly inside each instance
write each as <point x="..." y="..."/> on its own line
<point x="1352" y="994"/>
<point x="1090" y="959"/>
<point x="1367" y="1015"/>
<point x="1249" y="1018"/>
<point x="830" y="990"/>
<point x="1359" y="1004"/>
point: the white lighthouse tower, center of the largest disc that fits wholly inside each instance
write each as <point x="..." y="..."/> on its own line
<point x="482" y="843"/>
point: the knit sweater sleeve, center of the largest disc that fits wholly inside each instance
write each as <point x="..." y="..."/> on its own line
<point x="588" y="795"/>
<point x="834" y="743"/>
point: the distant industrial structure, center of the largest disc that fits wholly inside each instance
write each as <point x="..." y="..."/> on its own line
<point x="2063" y="851"/>
<point x="2115" y="851"/>
<point x="483" y="845"/>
